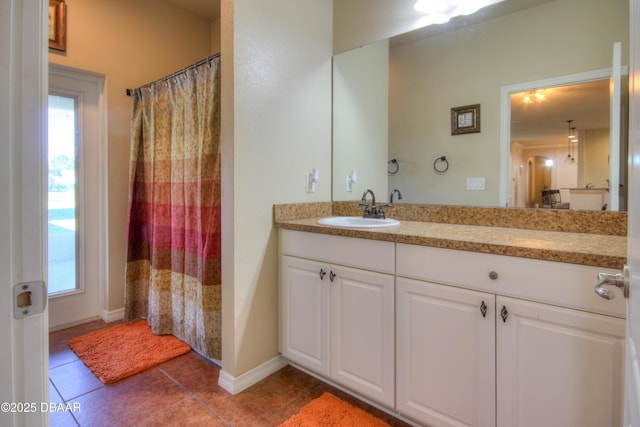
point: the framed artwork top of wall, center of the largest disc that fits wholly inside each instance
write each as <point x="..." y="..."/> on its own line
<point x="58" y="25"/>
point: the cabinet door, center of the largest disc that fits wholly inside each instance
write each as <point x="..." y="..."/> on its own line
<point x="304" y="320"/>
<point x="557" y="366"/>
<point x="362" y="333"/>
<point x="445" y="354"/>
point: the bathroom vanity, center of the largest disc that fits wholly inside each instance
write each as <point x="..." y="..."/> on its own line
<point x="452" y="325"/>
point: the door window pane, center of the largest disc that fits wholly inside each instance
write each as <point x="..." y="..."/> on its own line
<point x="62" y="212"/>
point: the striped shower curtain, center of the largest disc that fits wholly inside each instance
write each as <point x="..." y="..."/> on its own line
<point x="173" y="260"/>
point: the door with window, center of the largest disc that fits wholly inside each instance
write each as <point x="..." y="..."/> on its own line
<point x="76" y="200"/>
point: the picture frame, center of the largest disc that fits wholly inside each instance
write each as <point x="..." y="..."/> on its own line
<point x="58" y="25"/>
<point x="465" y="119"/>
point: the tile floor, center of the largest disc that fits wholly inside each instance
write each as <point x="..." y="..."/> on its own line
<point x="181" y="392"/>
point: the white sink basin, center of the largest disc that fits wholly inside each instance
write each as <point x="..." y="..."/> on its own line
<point x="358" y="222"/>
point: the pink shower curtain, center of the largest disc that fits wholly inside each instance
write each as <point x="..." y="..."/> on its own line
<point x="173" y="261"/>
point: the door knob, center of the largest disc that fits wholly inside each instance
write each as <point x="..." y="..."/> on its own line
<point x="619" y="280"/>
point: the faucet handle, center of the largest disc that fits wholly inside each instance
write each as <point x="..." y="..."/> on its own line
<point x="367" y="210"/>
<point x="381" y="209"/>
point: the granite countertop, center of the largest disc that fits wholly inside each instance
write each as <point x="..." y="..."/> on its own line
<point x="576" y="248"/>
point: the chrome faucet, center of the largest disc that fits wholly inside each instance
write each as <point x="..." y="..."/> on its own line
<point x="370" y="211"/>
<point x="396" y="191"/>
<point x="381" y="208"/>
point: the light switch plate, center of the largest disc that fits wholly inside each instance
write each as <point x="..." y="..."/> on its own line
<point x="475" y="183"/>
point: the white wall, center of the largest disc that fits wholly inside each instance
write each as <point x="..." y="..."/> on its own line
<point x="360" y="121"/>
<point x="276" y="119"/>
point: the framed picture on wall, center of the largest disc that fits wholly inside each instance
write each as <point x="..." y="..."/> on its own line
<point x="465" y="119"/>
<point x="57" y="25"/>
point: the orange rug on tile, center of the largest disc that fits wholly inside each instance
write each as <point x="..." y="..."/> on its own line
<point x="120" y="351"/>
<point x="330" y="411"/>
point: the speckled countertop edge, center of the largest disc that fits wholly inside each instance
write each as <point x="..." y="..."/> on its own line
<point x="575" y="248"/>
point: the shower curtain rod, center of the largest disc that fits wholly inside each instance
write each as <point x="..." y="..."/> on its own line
<point x="203" y="61"/>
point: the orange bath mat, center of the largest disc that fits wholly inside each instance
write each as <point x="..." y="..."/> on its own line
<point x="120" y="351"/>
<point x="329" y="411"/>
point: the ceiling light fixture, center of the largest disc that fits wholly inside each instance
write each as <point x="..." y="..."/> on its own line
<point x="535" y="96"/>
<point x="441" y="11"/>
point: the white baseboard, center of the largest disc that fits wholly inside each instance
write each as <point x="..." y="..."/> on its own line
<point x="235" y="385"/>
<point x="112" y="316"/>
<point x="72" y="324"/>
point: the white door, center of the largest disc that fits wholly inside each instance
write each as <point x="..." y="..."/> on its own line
<point x="557" y="366"/>
<point x="445" y="369"/>
<point x="24" y="349"/>
<point x="632" y="375"/>
<point x="362" y="332"/>
<point x="304" y="302"/>
<point x="76" y="196"/>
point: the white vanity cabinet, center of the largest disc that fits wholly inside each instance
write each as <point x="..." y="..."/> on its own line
<point x="337" y="310"/>
<point x="557" y="347"/>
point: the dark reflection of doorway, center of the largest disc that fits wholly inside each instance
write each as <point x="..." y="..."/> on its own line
<point x="539" y="175"/>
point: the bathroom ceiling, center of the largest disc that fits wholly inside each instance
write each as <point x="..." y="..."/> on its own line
<point x="209" y="9"/>
<point x="544" y="122"/>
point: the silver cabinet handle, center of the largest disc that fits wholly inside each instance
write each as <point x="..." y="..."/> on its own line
<point x="619" y="280"/>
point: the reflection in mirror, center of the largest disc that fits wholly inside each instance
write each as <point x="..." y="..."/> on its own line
<point x="568" y="126"/>
<point x="433" y="72"/>
<point x="360" y="130"/>
<point x="568" y="120"/>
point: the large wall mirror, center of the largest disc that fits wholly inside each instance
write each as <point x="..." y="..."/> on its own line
<point x="393" y="100"/>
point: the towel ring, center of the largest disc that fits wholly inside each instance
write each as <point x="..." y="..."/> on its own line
<point x="397" y="168"/>
<point x="441" y="165"/>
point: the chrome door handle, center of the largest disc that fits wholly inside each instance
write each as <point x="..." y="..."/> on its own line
<point x="619" y="280"/>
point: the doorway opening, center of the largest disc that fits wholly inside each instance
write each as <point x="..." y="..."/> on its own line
<point x="77" y="197"/>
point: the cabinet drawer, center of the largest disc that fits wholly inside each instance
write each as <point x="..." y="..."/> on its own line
<point x="367" y="254"/>
<point x="567" y="285"/>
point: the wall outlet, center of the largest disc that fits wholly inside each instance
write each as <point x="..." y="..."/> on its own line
<point x="475" y="183"/>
